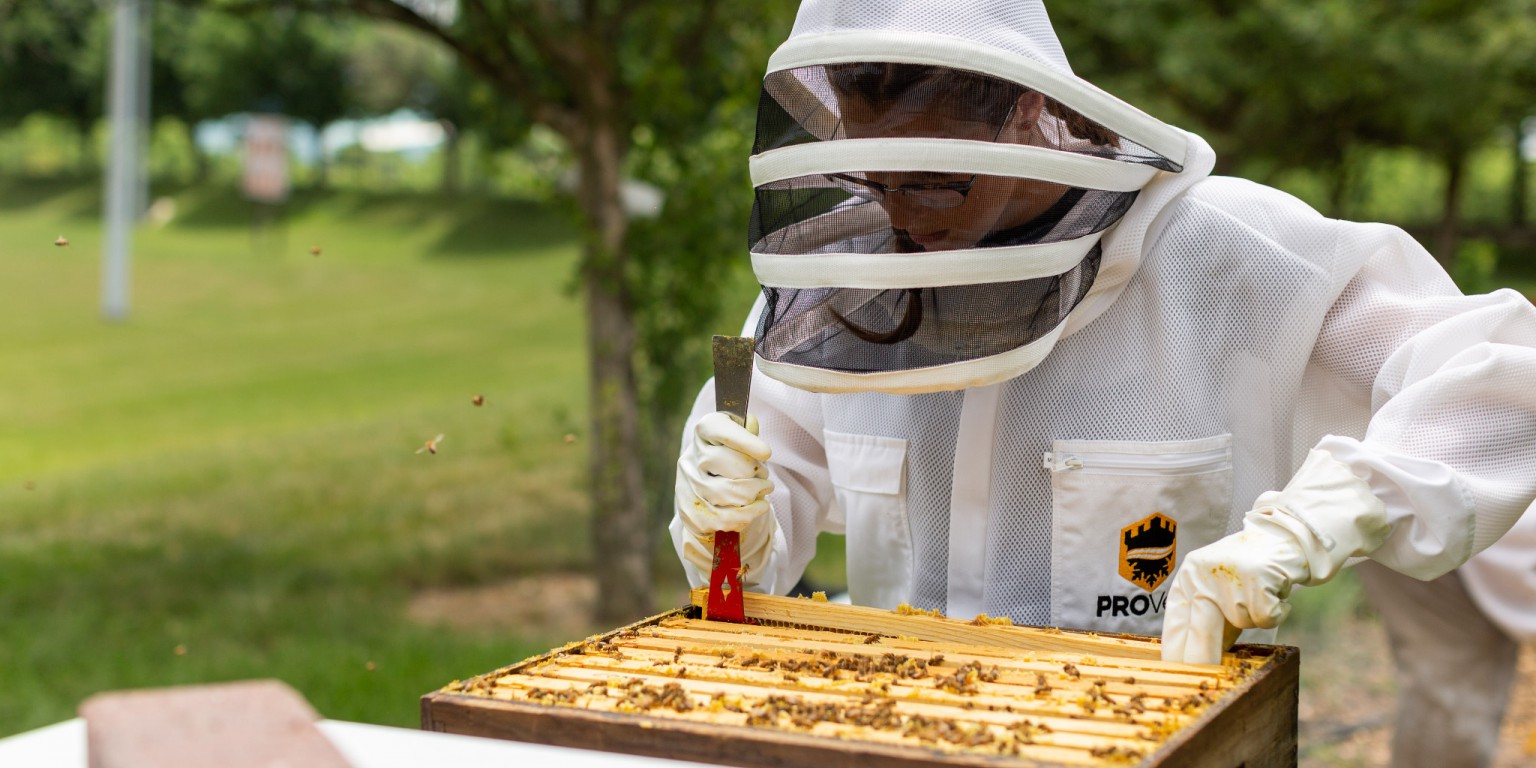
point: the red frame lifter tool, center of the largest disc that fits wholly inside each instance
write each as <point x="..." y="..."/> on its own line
<point x="733" y="384"/>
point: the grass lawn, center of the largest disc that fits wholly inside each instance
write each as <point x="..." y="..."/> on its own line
<point x="227" y="485"/>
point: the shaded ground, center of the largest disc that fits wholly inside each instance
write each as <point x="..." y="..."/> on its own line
<point x="557" y="606"/>
<point x="1348" y="692"/>
<point x="1518" y="746"/>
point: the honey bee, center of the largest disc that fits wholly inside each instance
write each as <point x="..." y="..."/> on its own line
<point x="314" y="250"/>
<point x="478" y="400"/>
<point x="61" y="242"/>
<point x="570" y="439"/>
<point x="431" y="446"/>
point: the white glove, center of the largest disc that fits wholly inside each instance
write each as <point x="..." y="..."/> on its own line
<point x="722" y="485"/>
<point x="1301" y="535"/>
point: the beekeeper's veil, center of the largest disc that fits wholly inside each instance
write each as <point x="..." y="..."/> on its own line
<point x="935" y="191"/>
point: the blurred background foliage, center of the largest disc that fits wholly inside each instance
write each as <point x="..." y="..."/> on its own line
<point x="227" y="486"/>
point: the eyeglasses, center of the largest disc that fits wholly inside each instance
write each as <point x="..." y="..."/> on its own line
<point x="946" y="194"/>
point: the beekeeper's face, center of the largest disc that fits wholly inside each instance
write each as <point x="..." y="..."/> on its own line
<point x="945" y="211"/>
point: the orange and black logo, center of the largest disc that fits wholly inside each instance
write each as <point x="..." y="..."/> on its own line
<point x="1147" y="549"/>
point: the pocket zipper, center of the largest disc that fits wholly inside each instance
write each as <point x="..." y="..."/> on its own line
<point x="1137" y="464"/>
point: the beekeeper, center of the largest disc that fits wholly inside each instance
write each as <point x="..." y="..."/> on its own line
<point x="1033" y="360"/>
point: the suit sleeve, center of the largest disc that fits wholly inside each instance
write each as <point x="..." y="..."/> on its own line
<point x="1451" y="386"/>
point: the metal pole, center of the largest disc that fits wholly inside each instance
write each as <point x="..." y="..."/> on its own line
<point x="122" y="168"/>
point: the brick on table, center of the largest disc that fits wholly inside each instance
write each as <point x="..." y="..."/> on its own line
<point x="252" y="724"/>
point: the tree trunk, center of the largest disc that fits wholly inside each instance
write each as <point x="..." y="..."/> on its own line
<point x="202" y="165"/>
<point x="86" y="164"/>
<point x="1518" y="183"/>
<point x="451" y="147"/>
<point x="1338" y="187"/>
<point x="621" y="534"/>
<point x="322" y="170"/>
<point x="481" y="159"/>
<point x="1450" y="220"/>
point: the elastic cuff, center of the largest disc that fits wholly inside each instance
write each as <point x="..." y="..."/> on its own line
<point x="1330" y="510"/>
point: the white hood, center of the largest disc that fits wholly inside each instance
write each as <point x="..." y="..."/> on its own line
<point x="1003" y="39"/>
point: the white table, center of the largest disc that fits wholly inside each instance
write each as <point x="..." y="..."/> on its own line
<point x="365" y="746"/>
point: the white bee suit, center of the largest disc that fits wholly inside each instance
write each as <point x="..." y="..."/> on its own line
<point x="1502" y="581"/>
<point x="1253" y="330"/>
<point x="1228" y="330"/>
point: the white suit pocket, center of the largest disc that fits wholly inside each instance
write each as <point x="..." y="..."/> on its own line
<point x="1123" y="516"/>
<point x="869" y="478"/>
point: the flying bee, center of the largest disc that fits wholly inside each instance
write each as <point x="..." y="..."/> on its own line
<point x="478" y="400"/>
<point x="314" y="250"/>
<point x="570" y="439"/>
<point x="61" y="242"/>
<point x="431" y="446"/>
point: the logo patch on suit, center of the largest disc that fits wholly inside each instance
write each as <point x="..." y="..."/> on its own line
<point x="1147" y="549"/>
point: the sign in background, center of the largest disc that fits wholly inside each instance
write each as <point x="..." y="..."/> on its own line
<point x="266" y="159"/>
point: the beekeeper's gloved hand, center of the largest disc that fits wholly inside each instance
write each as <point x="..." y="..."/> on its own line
<point x="722" y="485"/>
<point x="1301" y="535"/>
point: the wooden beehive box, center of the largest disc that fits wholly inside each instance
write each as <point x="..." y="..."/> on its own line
<point x="834" y="685"/>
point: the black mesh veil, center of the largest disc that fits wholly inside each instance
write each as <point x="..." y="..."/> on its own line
<point x="825" y="213"/>
<point x="808" y="205"/>
<point x="868" y="330"/>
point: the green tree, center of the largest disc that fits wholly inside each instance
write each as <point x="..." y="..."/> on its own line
<point x="53" y="60"/>
<point x="41" y="45"/>
<point x="599" y="73"/>
<point x="391" y="68"/>
<point x="283" y="62"/>
<point x="1271" y="85"/>
<point x="1277" y="84"/>
<point x="1463" y="72"/>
